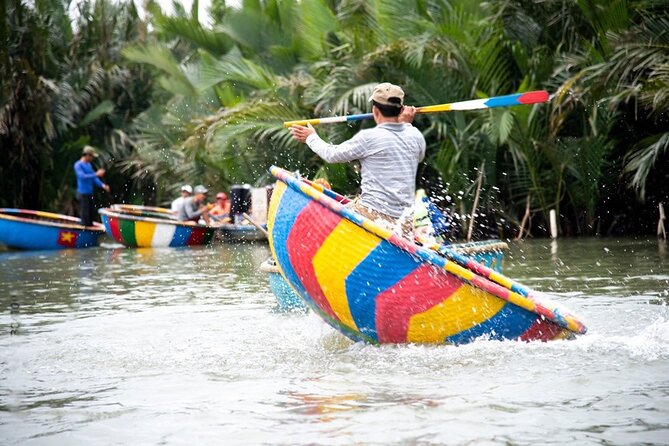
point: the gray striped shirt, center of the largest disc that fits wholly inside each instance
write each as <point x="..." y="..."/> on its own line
<point x="389" y="155"/>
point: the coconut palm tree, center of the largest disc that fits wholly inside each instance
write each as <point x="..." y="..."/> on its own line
<point x="63" y="88"/>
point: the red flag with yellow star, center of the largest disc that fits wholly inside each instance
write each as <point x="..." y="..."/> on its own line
<point x="67" y="238"/>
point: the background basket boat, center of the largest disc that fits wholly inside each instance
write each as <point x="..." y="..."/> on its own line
<point x="28" y="229"/>
<point x="231" y="232"/>
<point x="138" y="231"/>
<point x="285" y="296"/>
<point x="374" y="286"/>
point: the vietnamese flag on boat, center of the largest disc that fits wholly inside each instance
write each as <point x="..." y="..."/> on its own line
<point x="67" y="238"/>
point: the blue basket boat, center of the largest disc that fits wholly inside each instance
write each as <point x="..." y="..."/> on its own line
<point x="36" y="230"/>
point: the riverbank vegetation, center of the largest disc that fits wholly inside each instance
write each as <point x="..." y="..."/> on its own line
<point x="168" y="99"/>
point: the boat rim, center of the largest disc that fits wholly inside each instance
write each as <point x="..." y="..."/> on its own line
<point x="5" y="214"/>
<point x="140" y="207"/>
<point x="122" y="215"/>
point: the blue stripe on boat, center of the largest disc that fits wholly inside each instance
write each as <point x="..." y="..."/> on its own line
<point x="181" y="236"/>
<point x="509" y="323"/>
<point x="361" y="296"/>
<point x="105" y="221"/>
<point x="286" y="213"/>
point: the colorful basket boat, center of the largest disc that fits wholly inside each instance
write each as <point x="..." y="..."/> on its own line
<point x="26" y="229"/>
<point x="140" y="232"/>
<point x="489" y="253"/>
<point x="375" y="286"/>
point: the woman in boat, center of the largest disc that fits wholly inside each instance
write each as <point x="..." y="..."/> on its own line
<point x="221" y="210"/>
<point x="388" y="154"/>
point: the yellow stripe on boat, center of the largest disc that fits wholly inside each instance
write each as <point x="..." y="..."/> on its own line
<point x="465" y="309"/>
<point x="279" y="189"/>
<point x="144" y="233"/>
<point x="332" y="269"/>
<point x="502" y="280"/>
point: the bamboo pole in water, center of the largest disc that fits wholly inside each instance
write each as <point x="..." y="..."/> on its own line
<point x="476" y="202"/>
<point x="553" y="219"/>
<point x="525" y="219"/>
<point x="661" y="232"/>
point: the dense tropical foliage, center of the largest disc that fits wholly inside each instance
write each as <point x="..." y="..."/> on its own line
<point x="170" y="100"/>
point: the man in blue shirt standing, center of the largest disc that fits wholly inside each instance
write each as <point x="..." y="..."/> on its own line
<point x="86" y="178"/>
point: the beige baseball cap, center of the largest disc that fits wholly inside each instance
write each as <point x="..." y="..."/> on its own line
<point x="385" y="91"/>
<point x="88" y="150"/>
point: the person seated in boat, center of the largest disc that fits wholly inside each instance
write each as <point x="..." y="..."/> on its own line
<point x="221" y="210"/>
<point x="186" y="191"/>
<point x="87" y="177"/>
<point x="430" y="224"/>
<point x="193" y="208"/>
<point x="423" y="230"/>
<point x="388" y="154"/>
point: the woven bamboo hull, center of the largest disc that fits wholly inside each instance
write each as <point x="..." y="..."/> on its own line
<point x="143" y="232"/>
<point x="373" y="290"/>
<point x="489" y="253"/>
<point x="36" y="230"/>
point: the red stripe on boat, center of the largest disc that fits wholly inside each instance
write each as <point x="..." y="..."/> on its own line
<point x="479" y="269"/>
<point x="311" y="228"/>
<point x="403" y="243"/>
<point x="541" y="330"/>
<point x="397" y="304"/>
<point x="490" y="287"/>
<point x="115" y="231"/>
<point x="534" y="97"/>
<point x="196" y="236"/>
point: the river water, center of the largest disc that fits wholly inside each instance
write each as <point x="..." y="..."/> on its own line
<point x="186" y="346"/>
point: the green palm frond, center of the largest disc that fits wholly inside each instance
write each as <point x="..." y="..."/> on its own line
<point x="250" y="137"/>
<point x="360" y="18"/>
<point x="191" y="31"/>
<point x="642" y="158"/>
<point x="234" y="68"/>
<point x="501" y="125"/>
<point x="176" y="79"/>
<point x="102" y="109"/>
<point x="315" y="21"/>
